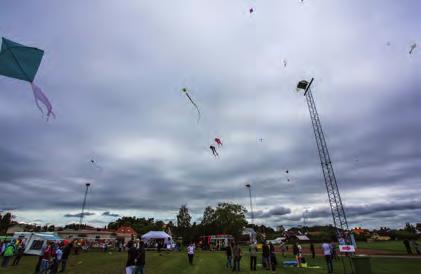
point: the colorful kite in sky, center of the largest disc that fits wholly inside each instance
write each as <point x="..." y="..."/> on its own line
<point x="194" y="104"/>
<point x="22" y="62"/>
<point x="218" y="141"/>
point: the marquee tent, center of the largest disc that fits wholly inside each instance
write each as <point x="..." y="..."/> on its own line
<point x="157" y="235"/>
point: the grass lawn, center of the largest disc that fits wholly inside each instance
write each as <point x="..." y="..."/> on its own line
<point x="205" y="263"/>
<point x="393" y="246"/>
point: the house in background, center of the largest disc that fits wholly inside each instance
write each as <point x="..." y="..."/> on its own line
<point x="125" y="234"/>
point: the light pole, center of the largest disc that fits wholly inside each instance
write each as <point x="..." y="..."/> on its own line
<point x="84" y="203"/>
<point x="251" y="204"/>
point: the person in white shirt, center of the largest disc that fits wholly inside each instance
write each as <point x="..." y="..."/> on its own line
<point x="327" y="252"/>
<point x="190" y="253"/>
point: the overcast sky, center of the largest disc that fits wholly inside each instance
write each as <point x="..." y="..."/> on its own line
<point x="114" y="71"/>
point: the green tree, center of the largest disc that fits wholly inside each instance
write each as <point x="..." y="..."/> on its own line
<point x="183" y="224"/>
<point x="230" y="218"/>
<point x="5" y="222"/>
<point x="410" y="228"/>
<point x="207" y="225"/>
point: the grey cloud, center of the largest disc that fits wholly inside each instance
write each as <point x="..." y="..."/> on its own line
<point x="116" y="93"/>
<point x="69" y="215"/>
<point x="275" y="211"/>
<point x="109" y="214"/>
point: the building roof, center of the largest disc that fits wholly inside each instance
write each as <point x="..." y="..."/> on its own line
<point x="126" y="230"/>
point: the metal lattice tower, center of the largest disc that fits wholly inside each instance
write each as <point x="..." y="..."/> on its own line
<point x="335" y="201"/>
<point x="84" y="203"/>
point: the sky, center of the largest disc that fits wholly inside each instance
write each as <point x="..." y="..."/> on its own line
<point x="114" y="71"/>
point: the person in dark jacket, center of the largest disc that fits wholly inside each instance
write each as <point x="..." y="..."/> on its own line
<point x="313" y="252"/>
<point x="65" y="256"/>
<point x="407" y="246"/>
<point x="140" y="259"/>
<point x="237" y="257"/>
<point x="131" y="258"/>
<point x="228" y="253"/>
<point x="265" y="256"/>
<point x="273" y="261"/>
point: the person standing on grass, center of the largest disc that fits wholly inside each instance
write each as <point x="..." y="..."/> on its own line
<point x="265" y="256"/>
<point x="327" y="252"/>
<point x="46" y="258"/>
<point x="414" y="245"/>
<point x="273" y="261"/>
<point x="190" y="253"/>
<point x="19" y="253"/>
<point x="9" y="251"/>
<point x="333" y="250"/>
<point x="65" y="256"/>
<point x="313" y="252"/>
<point x="140" y="259"/>
<point x="407" y="246"/>
<point x="283" y="248"/>
<point x="296" y="252"/>
<point x="131" y="258"/>
<point x="228" y="253"/>
<point x="56" y="260"/>
<point x="253" y="256"/>
<point x="237" y="257"/>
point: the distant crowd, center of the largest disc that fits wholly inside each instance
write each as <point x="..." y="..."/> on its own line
<point x="52" y="255"/>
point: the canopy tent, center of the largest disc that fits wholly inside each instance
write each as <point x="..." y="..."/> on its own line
<point x="35" y="241"/>
<point x="157" y="235"/>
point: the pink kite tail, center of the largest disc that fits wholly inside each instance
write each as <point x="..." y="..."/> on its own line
<point x="40" y="96"/>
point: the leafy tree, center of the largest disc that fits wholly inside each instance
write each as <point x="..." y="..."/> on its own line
<point x="183" y="224"/>
<point x="207" y="225"/>
<point x="410" y="228"/>
<point x="5" y="222"/>
<point x="230" y="218"/>
<point x="140" y="225"/>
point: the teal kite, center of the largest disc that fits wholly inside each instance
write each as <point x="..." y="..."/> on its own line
<point x="22" y="62"/>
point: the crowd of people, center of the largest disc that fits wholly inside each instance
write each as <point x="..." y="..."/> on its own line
<point x="10" y="249"/>
<point x="269" y="261"/>
<point x="52" y="255"/>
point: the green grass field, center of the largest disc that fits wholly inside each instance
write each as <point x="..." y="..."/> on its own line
<point x="392" y="246"/>
<point x="205" y="263"/>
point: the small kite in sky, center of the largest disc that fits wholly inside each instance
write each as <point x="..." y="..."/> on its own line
<point x="413" y="46"/>
<point x="388" y="44"/>
<point x="287" y="175"/>
<point x="22" y="62"/>
<point x="261" y="140"/>
<point x="218" y="142"/>
<point x="251" y="10"/>
<point x="285" y="62"/>
<point x="213" y="149"/>
<point x="194" y="104"/>
<point x="95" y="164"/>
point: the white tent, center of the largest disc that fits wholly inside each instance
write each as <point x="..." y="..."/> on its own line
<point x="157" y="235"/>
<point x="34" y="242"/>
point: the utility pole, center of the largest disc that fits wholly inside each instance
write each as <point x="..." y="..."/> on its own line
<point x="251" y="204"/>
<point x="84" y="203"/>
<point x="337" y="209"/>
